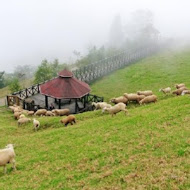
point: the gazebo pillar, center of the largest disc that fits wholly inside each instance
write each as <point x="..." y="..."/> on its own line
<point x="59" y="103"/>
<point x="76" y="105"/>
<point x="84" y="99"/>
<point x="46" y="101"/>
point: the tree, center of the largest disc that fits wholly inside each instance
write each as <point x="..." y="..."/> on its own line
<point x="141" y="28"/>
<point x="14" y="86"/>
<point x="44" y="72"/>
<point x="116" y="36"/>
<point x="2" y="80"/>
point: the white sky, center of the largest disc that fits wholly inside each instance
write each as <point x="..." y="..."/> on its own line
<point x="31" y="30"/>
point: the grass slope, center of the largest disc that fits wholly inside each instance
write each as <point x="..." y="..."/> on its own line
<point x="148" y="149"/>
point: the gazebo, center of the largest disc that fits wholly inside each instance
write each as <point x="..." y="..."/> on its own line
<point x="65" y="87"/>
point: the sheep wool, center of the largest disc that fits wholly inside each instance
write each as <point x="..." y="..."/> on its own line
<point x="61" y="112"/>
<point x="40" y="112"/>
<point x="69" y="119"/>
<point x="146" y="93"/>
<point x="148" y="99"/>
<point x="23" y="121"/>
<point x="179" y="91"/>
<point x="7" y="155"/>
<point x="165" y="90"/>
<point x="121" y="99"/>
<point x="116" y="108"/>
<point x="180" y="85"/>
<point x="36" y="124"/>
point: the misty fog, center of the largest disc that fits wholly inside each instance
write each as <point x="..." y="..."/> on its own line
<point x="34" y="30"/>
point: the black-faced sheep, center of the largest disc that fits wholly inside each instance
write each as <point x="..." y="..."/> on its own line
<point x="146" y="93"/>
<point x="7" y="155"/>
<point x="69" y="119"/>
<point x="148" y="99"/>
<point x="116" y="108"/>
<point x="121" y="99"/>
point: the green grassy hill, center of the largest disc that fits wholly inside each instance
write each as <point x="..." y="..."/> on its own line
<point x="148" y="149"/>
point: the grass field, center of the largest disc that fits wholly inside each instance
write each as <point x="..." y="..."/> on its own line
<point x="148" y="149"/>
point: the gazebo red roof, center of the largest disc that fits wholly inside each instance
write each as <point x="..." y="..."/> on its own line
<point x="65" y="86"/>
<point x="65" y="73"/>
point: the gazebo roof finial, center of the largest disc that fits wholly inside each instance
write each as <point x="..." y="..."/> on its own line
<point x="65" y="73"/>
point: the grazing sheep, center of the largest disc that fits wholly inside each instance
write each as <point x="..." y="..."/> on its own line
<point x="69" y="119"/>
<point x="12" y="108"/>
<point x="61" y="112"/>
<point x="179" y="85"/>
<point x="140" y="98"/>
<point x="179" y="91"/>
<point x="134" y="97"/>
<point x="49" y="113"/>
<point x="100" y="105"/>
<point x="146" y="93"/>
<point x="30" y="113"/>
<point x="36" y="124"/>
<point x="117" y="100"/>
<point x="185" y="92"/>
<point x="148" y="99"/>
<point x="41" y="112"/>
<point x="18" y="109"/>
<point x="116" y="108"/>
<point x="22" y="116"/>
<point x="17" y="115"/>
<point x="7" y="155"/>
<point x="23" y="121"/>
<point x="165" y="90"/>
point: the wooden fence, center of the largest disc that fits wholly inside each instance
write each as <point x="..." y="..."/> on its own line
<point x="94" y="71"/>
<point x="99" y="69"/>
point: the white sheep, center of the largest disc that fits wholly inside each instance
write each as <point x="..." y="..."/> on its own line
<point x="41" y="112"/>
<point x="22" y="116"/>
<point x="23" y="121"/>
<point x="7" y="155"/>
<point x="179" y="91"/>
<point x="180" y="85"/>
<point x="17" y="115"/>
<point x="134" y="97"/>
<point x="185" y="92"/>
<point x="50" y="113"/>
<point x="165" y="90"/>
<point x="36" y="124"/>
<point x="148" y="99"/>
<point x="146" y="93"/>
<point x="30" y="113"/>
<point x="117" y="100"/>
<point x="61" y="112"/>
<point x="116" y="108"/>
<point x="101" y="105"/>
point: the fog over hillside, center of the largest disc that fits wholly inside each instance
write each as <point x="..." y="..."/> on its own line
<point x="33" y="30"/>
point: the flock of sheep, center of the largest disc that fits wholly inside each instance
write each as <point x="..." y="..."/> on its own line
<point x="7" y="155"/>
<point x="141" y="97"/>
